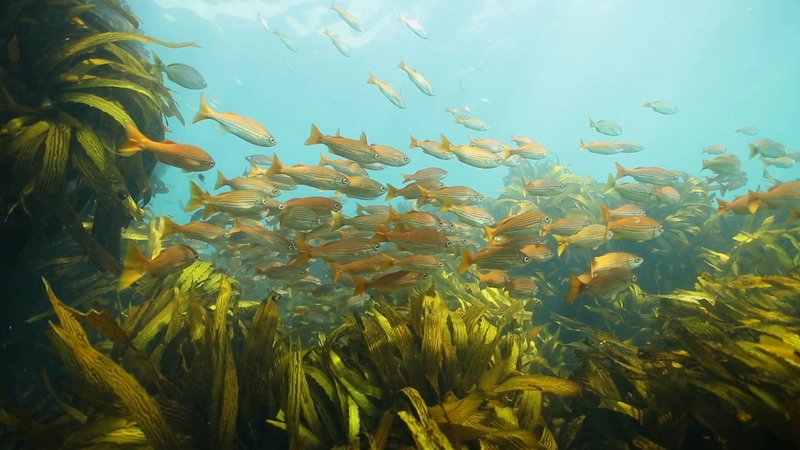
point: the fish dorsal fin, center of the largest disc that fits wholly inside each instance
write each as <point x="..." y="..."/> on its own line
<point x="338" y="132"/>
<point x="363" y="137"/>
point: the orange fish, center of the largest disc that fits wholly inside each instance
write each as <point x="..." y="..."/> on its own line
<point x="184" y="156"/>
<point x="171" y="259"/>
<point x="243" y="127"/>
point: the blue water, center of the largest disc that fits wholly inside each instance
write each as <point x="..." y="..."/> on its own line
<point x="536" y="68"/>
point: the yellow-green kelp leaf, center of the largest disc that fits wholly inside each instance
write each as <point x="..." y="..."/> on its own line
<point x="543" y="383"/>
<point x="108" y="38"/>
<point x="112" y="108"/>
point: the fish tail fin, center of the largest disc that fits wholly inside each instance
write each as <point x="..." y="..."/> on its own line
<point x="424" y="195"/>
<point x="621" y="171"/>
<point x="133" y="268"/>
<point x="562" y="244"/>
<point x="402" y="65"/>
<point x="576" y="288"/>
<point x="407" y="177"/>
<point x="303" y="248"/>
<point x="582" y="147"/>
<point x="466" y="261"/>
<point x="209" y="211"/>
<point x="753" y="202"/>
<point x="394" y="216"/>
<point x="196" y="200"/>
<point x="611" y="182"/>
<point x="371" y="79"/>
<point x="391" y="192"/>
<point x="338" y="220"/>
<point x="753" y="151"/>
<point x="414" y="142"/>
<point x="446" y="144"/>
<point x="381" y="235"/>
<point x="490" y="234"/>
<point x="315" y="137"/>
<point x="337" y="271"/>
<point x="361" y="285"/>
<point x="205" y="110"/>
<point x="647" y="104"/>
<point x="506" y="152"/>
<point x="170" y="227"/>
<point x="333" y="5"/>
<point x="135" y="143"/>
<point x="237" y="226"/>
<point x="447" y="205"/>
<point x="220" y="180"/>
<point x="276" y="167"/>
<point x="723" y="207"/>
<point x="401" y="17"/>
<point x="591" y="123"/>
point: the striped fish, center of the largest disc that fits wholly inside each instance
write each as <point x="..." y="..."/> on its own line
<point x="243" y="127"/>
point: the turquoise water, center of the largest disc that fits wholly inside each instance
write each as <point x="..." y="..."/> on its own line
<point x="533" y="68"/>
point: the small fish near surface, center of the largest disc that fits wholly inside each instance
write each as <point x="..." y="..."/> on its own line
<point x="473" y="123"/>
<point x="388" y="90"/>
<point x="348" y="17"/>
<point x="661" y="106"/>
<point x="414" y="26"/>
<point x="417" y="78"/>
<point x="337" y="42"/>
<point x="184" y="156"/>
<point x="607" y="127"/>
<point x="185" y="75"/>
<point x="243" y="127"/>
<point x="171" y="259"/>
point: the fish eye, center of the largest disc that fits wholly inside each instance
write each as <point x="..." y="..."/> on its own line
<point x="226" y="234"/>
<point x="547" y="220"/>
<point x="377" y="247"/>
<point x="634" y="278"/>
<point x="122" y="194"/>
<point x="383" y="188"/>
<point x="291" y="247"/>
<point x="440" y="264"/>
<point x="661" y="228"/>
<point x="562" y="186"/>
<point x="211" y="163"/>
<point x="281" y="206"/>
<point x="526" y="259"/>
<point x="263" y="201"/>
<point x="405" y="158"/>
<point x="448" y="244"/>
<point x="376" y="156"/>
<point x="345" y="181"/>
<point x="498" y="159"/>
<point x="271" y="140"/>
<point x="639" y="260"/>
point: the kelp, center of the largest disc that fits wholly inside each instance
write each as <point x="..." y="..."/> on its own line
<point x="73" y="69"/>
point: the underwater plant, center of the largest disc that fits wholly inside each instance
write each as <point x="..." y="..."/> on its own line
<point x="72" y="76"/>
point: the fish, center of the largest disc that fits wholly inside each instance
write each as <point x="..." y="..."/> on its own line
<point x="423" y="241"/>
<point x="320" y="205"/>
<point x="627" y="210"/>
<point x="519" y="241"/>
<point x="784" y="162"/>
<point x="724" y="164"/>
<point x="409" y="192"/>
<point x="267" y="239"/>
<point x="494" y="278"/>
<point x="300" y="218"/>
<point x="544" y="187"/>
<point x="636" y="228"/>
<point x="286" y="272"/>
<point x="473" y="156"/>
<point x="247" y="183"/>
<point x="503" y="258"/>
<point x="171" y="259"/>
<point x="185" y="75"/>
<point x="592" y="236"/>
<point x="520" y="140"/>
<point x="286" y="40"/>
<point x="472" y="215"/>
<point x="343" y="166"/>
<point x="473" y="123"/>
<point x="430" y="173"/>
<point x="314" y="176"/>
<point x="414" y="26"/>
<point x="432" y="148"/>
<point x="534" y="151"/>
<point x="367" y="222"/>
<point x="261" y="160"/>
<point x="612" y="260"/>
<point x="607" y="127"/>
<point x="344" y="250"/>
<point x="521" y="287"/>
<point x="629" y="147"/>
<point x="601" y="148"/>
<point x="352" y="149"/>
<point x="184" y="156"/>
<point x="376" y="263"/>
<point x="388" y="91"/>
<point x="457" y="195"/>
<point x="652" y="175"/>
<point x="236" y="203"/>
<point x="566" y="226"/>
<point x="201" y="231"/>
<point x="348" y="17"/>
<point x="492" y="144"/>
<point x="637" y="192"/>
<point x="417" y="78"/>
<point x="715" y="149"/>
<point x="522" y="223"/>
<point x="661" y="106"/>
<point x="415" y="219"/>
<point x="390" y="156"/>
<point x="337" y="42"/>
<point x="538" y="253"/>
<point x="781" y="196"/>
<point x="767" y="148"/>
<point x="264" y="22"/>
<point x="738" y="206"/>
<point x="606" y="285"/>
<point x="390" y="282"/>
<point x="240" y="126"/>
<point x="747" y="130"/>
<point x="418" y="263"/>
<point x="364" y="188"/>
<point x="668" y="194"/>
